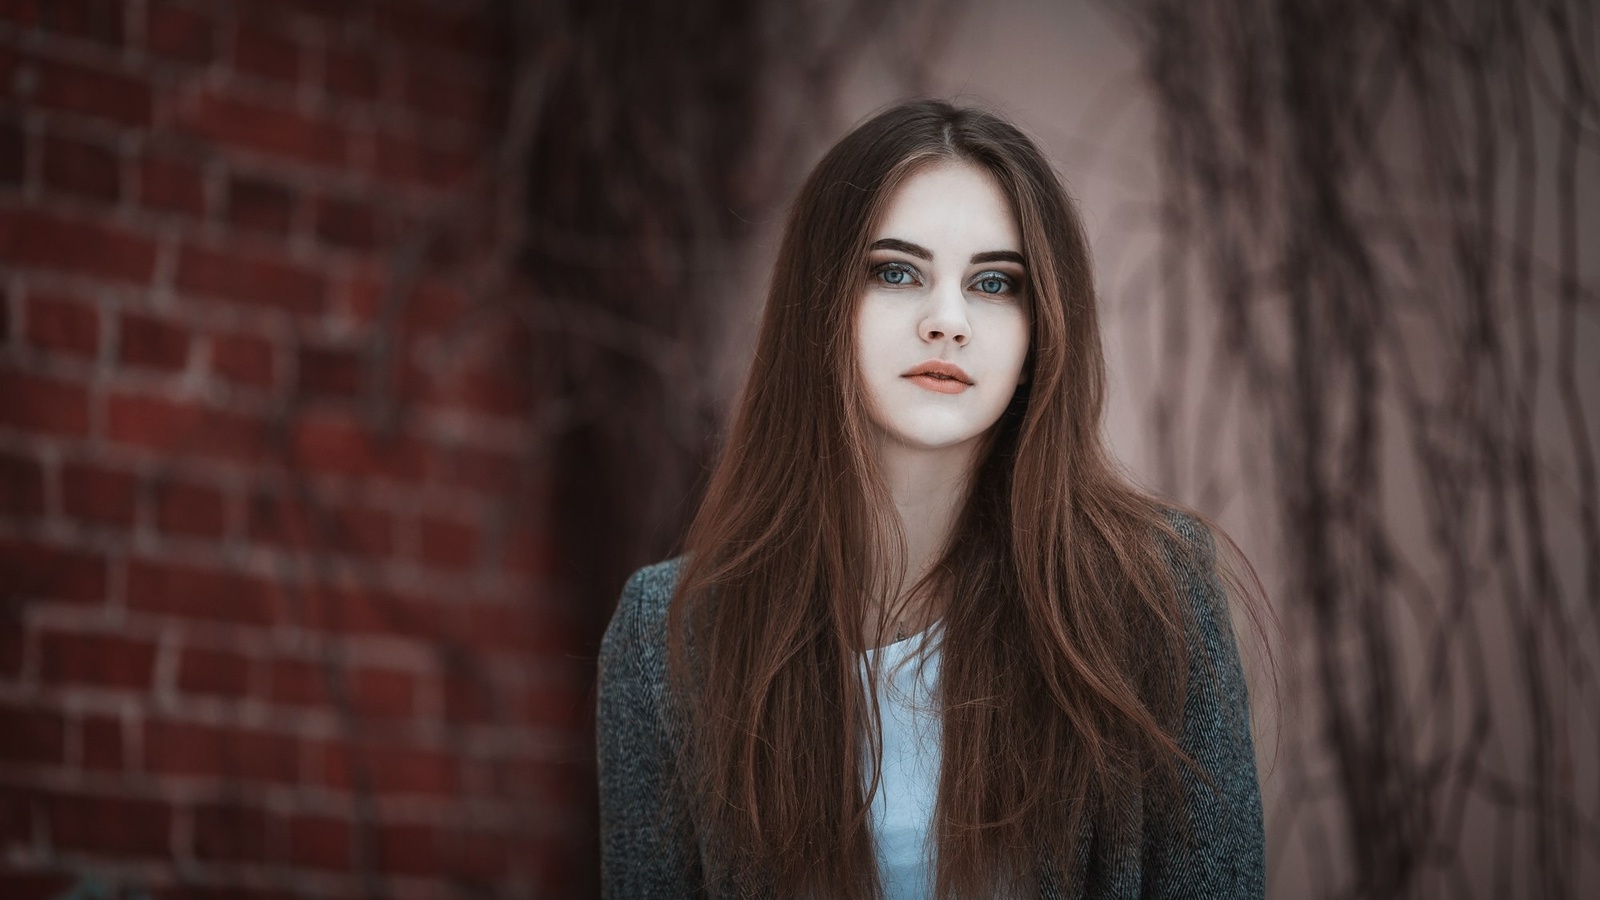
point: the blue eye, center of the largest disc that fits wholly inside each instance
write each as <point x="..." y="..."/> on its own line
<point x="895" y="274"/>
<point x="994" y="283"/>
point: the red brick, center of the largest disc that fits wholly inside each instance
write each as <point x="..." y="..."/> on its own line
<point x="32" y="238"/>
<point x="243" y="359"/>
<point x="362" y="532"/>
<point x="70" y="657"/>
<point x="22" y="12"/>
<point x="433" y="94"/>
<point x="477" y="855"/>
<point x="190" y="509"/>
<point x="370" y="610"/>
<point x="205" y="671"/>
<point x="63" y="324"/>
<point x="230" y="832"/>
<point x="103" y="747"/>
<point x="192" y="592"/>
<point x="393" y="769"/>
<point x="330" y="371"/>
<point x="491" y="388"/>
<point x="181" y="891"/>
<point x="172" y="184"/>
<point x="435" y="303"/>
<point x="182" y="748"/>
<point x="347" y="223"/>
<point x="548" y="785"/>
<point x="555" y="705"/>
<point x="366" y="295"/>
<point x="287" y="521"/>
<point x="21" y="486"/>
<point x="153" y="343"/>
<point x="273" y="517"/>
<point x="506" y="626"/>
<point x="448" y="544"/>
<point x="31" y="735"/>
<point x="182" y="428"/>
<point x="99" y="495"/>
<point x="400" y="770"/>
<point x="113" y="826"/>
<point x="13" y="643"/>
<point x="461" y="247"/>
<point x="180" y="33"/>
<point x="94" y="20"/>
<point x="299" y="683"/>
<point x="469" y="699"/>
<point x="382" y="693"/>
<point x="486" y="471"/>
<point x="529" y="551"/>
<point x="409" y="849"/>
<point x="257" y="280"/>
<point x="322" y="13"/>
<point x="102" y="92"/>
<point x="85" y="168"/>
<point x="334" y="445"/>
<point x="320" y="842"/>
<point x="460" y="31"/>
<point x="352" y="74"/>
<point x="17" y="806"/>
<point x="48" y="572"/>
<point x="260" y="205"/>
<point x="13" y="145"/>
<point x="406" y="160"/>
<point x="266" y="54"/>
<point x="45" y="885"/>
<point x="46" y="405"/>
<point x="266" y="129"/>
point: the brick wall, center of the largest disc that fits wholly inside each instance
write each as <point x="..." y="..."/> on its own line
<point x="277" y="611"/>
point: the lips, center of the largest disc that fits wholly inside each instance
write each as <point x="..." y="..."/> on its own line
<point x="939" y="376"/>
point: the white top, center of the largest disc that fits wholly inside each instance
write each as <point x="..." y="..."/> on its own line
<point x="902" y="807"/>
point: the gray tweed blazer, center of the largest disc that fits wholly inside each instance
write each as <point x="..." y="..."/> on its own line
<point x="1220" y="854"/>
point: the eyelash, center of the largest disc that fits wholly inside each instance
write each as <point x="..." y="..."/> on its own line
<point x="881" y="269"/>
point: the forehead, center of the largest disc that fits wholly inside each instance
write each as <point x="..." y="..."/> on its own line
<point x="954" y="207"/>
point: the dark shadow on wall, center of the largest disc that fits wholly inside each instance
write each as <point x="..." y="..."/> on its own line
<point x="659" y="134"/>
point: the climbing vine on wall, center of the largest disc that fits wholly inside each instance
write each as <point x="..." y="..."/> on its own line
<point x="1383" y="214"/>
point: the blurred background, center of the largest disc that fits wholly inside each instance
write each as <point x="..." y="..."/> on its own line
<point x="353" y="353"/>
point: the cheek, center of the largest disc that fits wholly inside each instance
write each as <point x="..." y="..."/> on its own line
<point x="873" y="332"/>
<point x="1011" y="340"/>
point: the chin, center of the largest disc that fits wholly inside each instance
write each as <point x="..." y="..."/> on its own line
<point x="934" y="438"/>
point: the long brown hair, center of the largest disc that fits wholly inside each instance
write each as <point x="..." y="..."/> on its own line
<point x="1064" y="639"/>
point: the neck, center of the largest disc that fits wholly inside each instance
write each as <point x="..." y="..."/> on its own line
<point x="927" y="488"/>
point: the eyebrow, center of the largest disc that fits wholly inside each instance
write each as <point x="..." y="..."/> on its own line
<point x="921" y="252"/>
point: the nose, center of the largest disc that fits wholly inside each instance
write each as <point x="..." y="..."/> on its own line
<point x="946" y="319"/>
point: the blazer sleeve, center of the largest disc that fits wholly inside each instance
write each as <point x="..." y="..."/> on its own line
<point x="645" y="850"/>
<point x="1217" y="848"/>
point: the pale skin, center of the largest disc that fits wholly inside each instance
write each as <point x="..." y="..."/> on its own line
<point x="946" y="284"/>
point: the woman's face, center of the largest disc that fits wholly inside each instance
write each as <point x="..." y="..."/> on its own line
<point x="942" y="321"/>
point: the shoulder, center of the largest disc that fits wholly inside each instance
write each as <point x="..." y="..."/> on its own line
<point x="638" y="736"/>
<point x="1190" y="548"/>
<point x="1217" y="688"/>
<point x="632" y="671"/>
<point x="653" y="585"/>
<point x="1196" y="552"/>
<point x="642" y="610"/>
<point x="633" y="653"/>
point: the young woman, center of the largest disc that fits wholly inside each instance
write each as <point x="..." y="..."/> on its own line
<point x="925" y="640"/>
